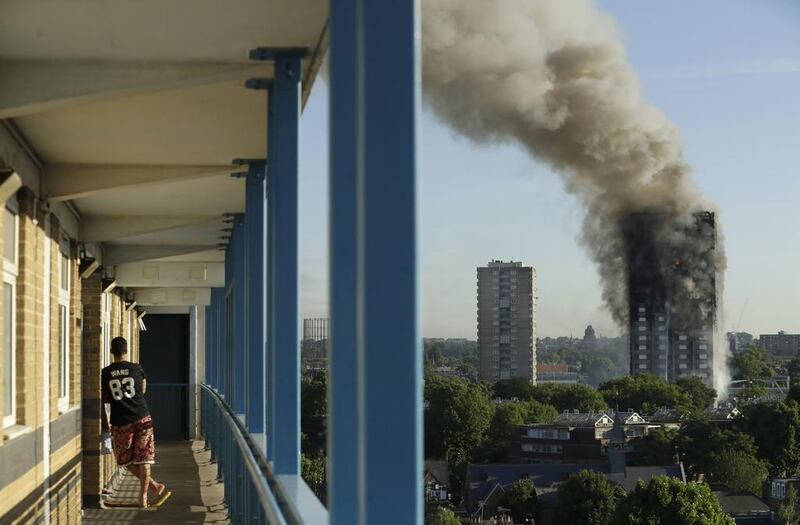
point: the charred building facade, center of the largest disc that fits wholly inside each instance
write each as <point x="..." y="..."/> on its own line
<point x="671" y="278"/>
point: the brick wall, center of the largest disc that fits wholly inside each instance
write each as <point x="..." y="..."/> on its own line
<point x="98" y="470"/>
<point x="94" y="471"/>
<point x="77" y="471"/>
<point x="29" y="313"/>
<point x="27" y="462"/>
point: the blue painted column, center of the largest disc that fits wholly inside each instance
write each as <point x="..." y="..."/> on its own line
<point x="216" y="294"/>
<point x="225" y="341"/>
<point x="283" y="282"/>
<point x="239" y="317"/>
<point x="211" y="344"/>
<point x="209" y="350"/>
<point x="343" y="440"/>
<point x="374" y="316"/>
<point x="219" y="337"/>
<point x="269" y="295"/>
<point x="255" y="298"/>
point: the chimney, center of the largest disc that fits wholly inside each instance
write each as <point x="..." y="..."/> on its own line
<point x="616" y="451"/>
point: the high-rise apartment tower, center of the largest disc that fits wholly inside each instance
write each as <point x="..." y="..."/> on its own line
<point x="671" y="324"/>
<point x="507" y="321"/>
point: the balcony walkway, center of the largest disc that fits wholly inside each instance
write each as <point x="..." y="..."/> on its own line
<point x="197" y="497"/>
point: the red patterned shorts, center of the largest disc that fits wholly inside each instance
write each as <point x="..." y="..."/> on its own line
<point x="134" y="443"/>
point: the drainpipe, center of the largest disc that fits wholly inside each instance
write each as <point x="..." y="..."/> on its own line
<point x="46" y="369"/>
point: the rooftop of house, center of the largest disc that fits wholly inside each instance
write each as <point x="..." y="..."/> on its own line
<point x="739" y="503"/>
<point x="593" y="419"/>
<point x="667" y="415"/>
<point x="723" y="413"/>
<point x="438" y="470"/>
<point x="583" y="419"/>
<point x="483" y="479"/>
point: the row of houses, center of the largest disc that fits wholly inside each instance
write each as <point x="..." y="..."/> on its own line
<point x="585" y="437"/>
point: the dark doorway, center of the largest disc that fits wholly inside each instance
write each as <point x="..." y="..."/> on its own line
<point x="164" y="355"/>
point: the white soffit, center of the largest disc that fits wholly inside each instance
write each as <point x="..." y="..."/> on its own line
<point x="172" y="296"/>
<point x="118" y="111"/>
<point x="207" y="196"/>
<point x="155" y="29"/>
<point x="210" y="124"/>
<point x="173" y="274"/>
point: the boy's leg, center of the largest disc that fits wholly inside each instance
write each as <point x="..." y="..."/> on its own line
<point x="145" y="480"/>
<point x="134" y="469"/>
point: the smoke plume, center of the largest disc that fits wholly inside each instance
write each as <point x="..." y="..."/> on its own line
<point x="553" y="76"/>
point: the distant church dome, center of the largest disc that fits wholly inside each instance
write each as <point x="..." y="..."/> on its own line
<point x="589" y="338"/>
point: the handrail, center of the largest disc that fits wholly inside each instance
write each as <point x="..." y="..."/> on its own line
<point x="280" y="499"/>
<point x="257" y="471"/>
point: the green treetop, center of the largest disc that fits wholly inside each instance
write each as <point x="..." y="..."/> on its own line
<point x="670" y="501"/>
<point x="587" y="498"/>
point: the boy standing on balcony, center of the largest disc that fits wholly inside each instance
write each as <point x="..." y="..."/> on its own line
<point x="123" y="386"/>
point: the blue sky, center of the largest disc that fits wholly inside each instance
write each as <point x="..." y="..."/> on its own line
<point x="727" y="72"/>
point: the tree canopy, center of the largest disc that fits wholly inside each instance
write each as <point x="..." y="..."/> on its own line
<point x="775" y="428"/>
<point x="444" y="516"/>
<point x="701" y="396"/>
<point x="647" y="393"/>
<point x="738" y="470"/>
<point x="313" y="396"/>
<point x="751" y="364"/>
<point x="312" y="469"/>
<point x="787" y="512"/>
<point x="569" y="397"/>
<point x="658" y="447"/>
<point x="562" y="397"/>
<point x="503" y="429"/>
<point x="700" y="441"/>
<point x="522" y="501"/>
<point x="793" y="368"/>
<point x="586" y="498"/>
<point x="456" y="419"/>
<point x="669" y="501"/>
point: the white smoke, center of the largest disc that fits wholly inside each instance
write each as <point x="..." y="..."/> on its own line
<point x="553" y="76"/>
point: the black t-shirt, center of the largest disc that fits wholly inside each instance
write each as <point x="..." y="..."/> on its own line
<point x="121" y="385"/>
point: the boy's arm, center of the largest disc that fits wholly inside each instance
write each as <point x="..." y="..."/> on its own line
<point x="104" y="425"/>
<point x="144" y="380"/>
<point x="105" y="398"/>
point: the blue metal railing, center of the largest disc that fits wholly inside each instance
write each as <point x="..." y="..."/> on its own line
<point x="240" y="465"/>
<point x="253" y="494"/>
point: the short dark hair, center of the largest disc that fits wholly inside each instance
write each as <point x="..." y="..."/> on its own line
<point x="119" y="346"/>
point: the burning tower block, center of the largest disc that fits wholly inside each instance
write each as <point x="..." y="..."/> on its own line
<point x="671" y="277"/>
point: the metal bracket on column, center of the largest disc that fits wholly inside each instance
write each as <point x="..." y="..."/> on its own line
<point x="243" y="162"/>
<point x="258" y="83"/>
<point x="253" y="164"/>
<point x="271" y="53"/>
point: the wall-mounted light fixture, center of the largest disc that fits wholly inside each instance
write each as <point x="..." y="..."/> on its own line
<point x="9" y="186"/>
<point x="108" y="284"/>
<point x="87" y="266"/>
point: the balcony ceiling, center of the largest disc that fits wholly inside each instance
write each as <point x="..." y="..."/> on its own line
<point x="136" y="108"/>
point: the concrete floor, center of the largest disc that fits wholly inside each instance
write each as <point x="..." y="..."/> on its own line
<point x="186" y="470"/>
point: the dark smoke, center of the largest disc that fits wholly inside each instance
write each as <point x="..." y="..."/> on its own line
<point x="553" y="76"/>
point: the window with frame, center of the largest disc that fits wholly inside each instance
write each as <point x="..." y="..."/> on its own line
<point x="9" y="317"/>
<point x="64" y="273"/>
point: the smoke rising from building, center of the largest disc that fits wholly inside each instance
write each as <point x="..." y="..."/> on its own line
<point x="554" y="77"/>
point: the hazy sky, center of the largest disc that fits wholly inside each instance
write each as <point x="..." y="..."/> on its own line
<point x="727" y="72"/>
